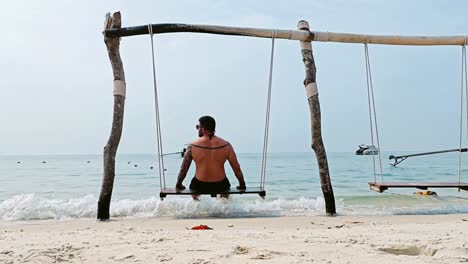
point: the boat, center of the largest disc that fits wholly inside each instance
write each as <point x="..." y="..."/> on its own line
<point x="367" y="150"/>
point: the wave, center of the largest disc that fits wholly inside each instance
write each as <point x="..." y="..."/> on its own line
<point x="33" y="207"/>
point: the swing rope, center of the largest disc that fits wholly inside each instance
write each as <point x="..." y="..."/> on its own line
<point x="464" y="86"/>
<point x="274" y="34"/>
<point x="372" y="112"/>
<point x="162" y="178"/>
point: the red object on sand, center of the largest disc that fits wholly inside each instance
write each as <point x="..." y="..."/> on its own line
<point x="201" y="227"/>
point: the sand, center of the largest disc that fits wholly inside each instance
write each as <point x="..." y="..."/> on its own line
<point x="320" y="239"/>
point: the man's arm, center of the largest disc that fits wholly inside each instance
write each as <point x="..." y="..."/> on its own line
<point x="184" y="168"/>
<point x="232" y="158"/>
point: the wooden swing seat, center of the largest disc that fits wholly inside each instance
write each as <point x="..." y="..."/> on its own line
<point x="381" y="187"/>
<point x="171" y="191"/>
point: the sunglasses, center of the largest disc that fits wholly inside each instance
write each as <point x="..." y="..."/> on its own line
<point x="198" y="127"/>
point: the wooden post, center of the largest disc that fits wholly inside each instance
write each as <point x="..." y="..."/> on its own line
<point x="110" y="150"/>
<point x="314" y="105"/>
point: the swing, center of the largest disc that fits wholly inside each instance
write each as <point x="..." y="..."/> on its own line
<point x="382" y="186"/>
<point x="260" y="190"/>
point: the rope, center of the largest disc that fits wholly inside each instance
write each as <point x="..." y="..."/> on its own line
<point x="162" y="178"/>
<point x="274" y="34"/>
<point x="372" y="111"/>
<point x="466" y="91"/>
<point x="464" y="86"/>
<point x="375" y="116"/>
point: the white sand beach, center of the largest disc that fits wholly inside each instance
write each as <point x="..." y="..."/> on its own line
<point x="342" y="239"/>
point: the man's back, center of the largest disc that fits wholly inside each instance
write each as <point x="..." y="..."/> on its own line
<point x="209" y="153"/>
<point x="210" y="156"/>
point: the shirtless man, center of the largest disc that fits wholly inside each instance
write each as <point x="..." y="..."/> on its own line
<point x="209" y="153"/>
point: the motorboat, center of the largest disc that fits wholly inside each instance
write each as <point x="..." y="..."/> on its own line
<point x="367" y="150"/>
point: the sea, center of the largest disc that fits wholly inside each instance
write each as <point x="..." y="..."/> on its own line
<point x="68" y="187"/>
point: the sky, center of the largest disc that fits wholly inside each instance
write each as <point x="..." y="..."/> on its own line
<point x="56" y="84"/>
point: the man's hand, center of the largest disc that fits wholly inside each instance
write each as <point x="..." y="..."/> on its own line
<point x="179" y="187"/>
<point x="241" y="186"/>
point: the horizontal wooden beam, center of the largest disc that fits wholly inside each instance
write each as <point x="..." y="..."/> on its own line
<point x="301" y="35"/>
<point x="222" y="30"/>
<point x="391" y="39"/>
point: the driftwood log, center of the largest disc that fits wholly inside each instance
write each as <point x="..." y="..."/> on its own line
<point x="289" y="34"/>
<point x="110" y="149"/>
<point x="315" y="116"/>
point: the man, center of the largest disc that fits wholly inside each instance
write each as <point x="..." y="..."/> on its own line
<point x="209" y="153"/>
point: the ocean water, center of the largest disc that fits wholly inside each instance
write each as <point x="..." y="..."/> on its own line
<point x="67" y="187"/>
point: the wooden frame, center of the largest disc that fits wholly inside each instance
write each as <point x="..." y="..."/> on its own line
<point x="113" y="32"/>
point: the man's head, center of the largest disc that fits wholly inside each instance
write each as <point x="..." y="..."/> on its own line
<point x="206" y="125"/>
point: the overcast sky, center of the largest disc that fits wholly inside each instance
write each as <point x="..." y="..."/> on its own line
<point x="56" y="79"/>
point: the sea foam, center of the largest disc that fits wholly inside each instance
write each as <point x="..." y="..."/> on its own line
<point x="33" y="207"/>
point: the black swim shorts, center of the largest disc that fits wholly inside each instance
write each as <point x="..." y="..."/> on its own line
<point x="210" y="187"/>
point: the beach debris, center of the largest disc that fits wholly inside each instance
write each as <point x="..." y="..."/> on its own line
<point x="161" y="239"/>
<point x="201" y="227"/>
<point x="125" y="256"/>
<point x="410" y="251"/>
<point x="200" y="261"/>
<point x="239" y="250"/>
<point x="164" y="258"/>
<point x="315" y="223"/>
<point x="230" y="225"/>
<point x="30" y="256"/>
<point x="465" y="220"/>
<point x="425" y="193"/>
<point x="338" y="226"/>
<point x="262" y="256"/>
<point x="354" y="222"/>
